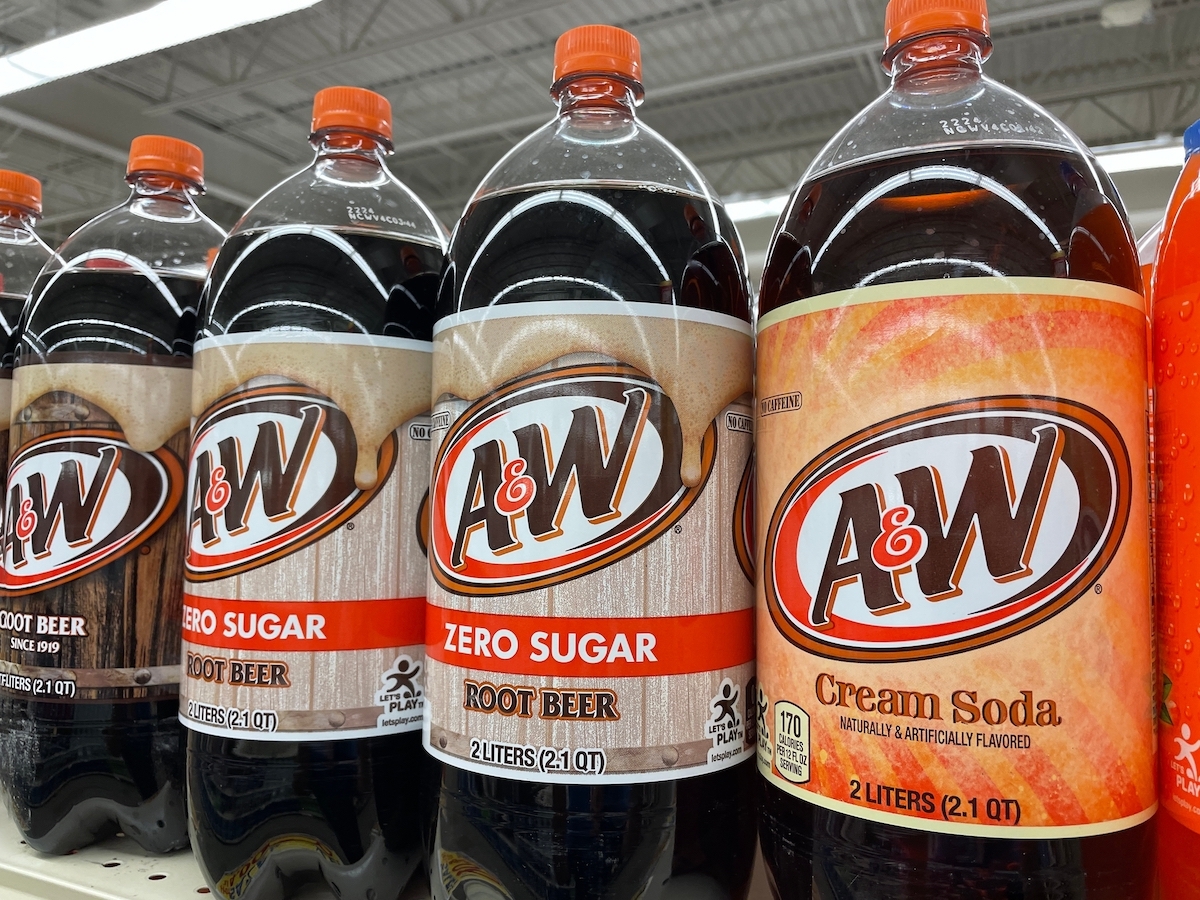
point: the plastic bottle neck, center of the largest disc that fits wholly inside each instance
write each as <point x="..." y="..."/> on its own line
<point x="937" y="61"/>
<point x="16" y="224"/>
<point x="351" y="145"/>
<point x="597" y="94"/>
<point x="163" y="197"/>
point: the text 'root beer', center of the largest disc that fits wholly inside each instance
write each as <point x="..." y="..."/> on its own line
<point x="94" y="517"/>
<point x="304" y="615"/>
<point x="954" y="620"/>
<point x="590" y="619"/>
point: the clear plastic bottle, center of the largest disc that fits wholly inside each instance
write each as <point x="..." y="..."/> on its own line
<point x="1176" y="285"/>
<point x="310" y="468"/>
<point x="22" y="255"/>
<point x="952" y="509"/>
<point x="1147" y="248"/>
<point x="94" y="516"/>
<point x="591" y="656"/>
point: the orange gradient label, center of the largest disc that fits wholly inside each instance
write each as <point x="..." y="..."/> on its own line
<point x="1176" y="362"/>
<point x="954" y="620"/>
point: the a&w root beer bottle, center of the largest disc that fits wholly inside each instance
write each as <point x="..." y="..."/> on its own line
<point x="953" y="614"/>
<point x="94" y="519"/>
<point x="303" y="623"/>
<point x="590" y="630"/>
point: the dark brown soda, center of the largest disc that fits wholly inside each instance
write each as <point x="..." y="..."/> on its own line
<point x="999" y="211"/>
<point x="637" y="245"/>
<point x="606" y="243"/>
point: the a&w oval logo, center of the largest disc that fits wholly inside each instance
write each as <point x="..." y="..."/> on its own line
<point x="557" y="475"/>
<point x="78" y="500"/>
<point x="272" y="471"/>
<point x="947" y="529"/>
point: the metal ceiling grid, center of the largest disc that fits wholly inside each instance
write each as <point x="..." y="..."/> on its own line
<point x="748" y="88"/>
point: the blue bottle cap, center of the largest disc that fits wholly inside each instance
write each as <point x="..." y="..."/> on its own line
<point x="1191" y="139"/>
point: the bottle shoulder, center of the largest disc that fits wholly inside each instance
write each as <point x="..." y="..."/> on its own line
<point x="22" y="255"/>
<point x="168" y="236"/>
<point x="963" y="112"/>
<point x="1177" y="265"/>
<point x="343" y="194"/>
<point x="595" y="148"/>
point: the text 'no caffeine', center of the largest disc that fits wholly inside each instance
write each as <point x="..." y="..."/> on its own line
<point x="768" y="406"/>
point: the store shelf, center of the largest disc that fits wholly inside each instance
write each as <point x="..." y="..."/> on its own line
<point x="119" y="870"/>
<point x="114" y="870"/>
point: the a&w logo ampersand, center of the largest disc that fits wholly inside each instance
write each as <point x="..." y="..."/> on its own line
<point x="555" y="476"/>
<point x="79" y="500"/>
<point x="946" y="529"/>
<point x="272" y="471"/>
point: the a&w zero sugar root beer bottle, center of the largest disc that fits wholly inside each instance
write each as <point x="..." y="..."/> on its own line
<point x="590" y="629"/>
<point x="303" y="623"/>
<point x="954" y="621"/>
<point x="94" y="519"/>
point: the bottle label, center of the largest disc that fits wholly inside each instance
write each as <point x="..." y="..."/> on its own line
<point x="93" y="532"/>
<point x="590" y="616"/>
<point x="304" y="616"/>
<point x="1178" y="556"/>
<point x="954" y="610"/>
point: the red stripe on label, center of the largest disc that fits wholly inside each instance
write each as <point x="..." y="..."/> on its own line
<point x="589" y="648"/>
<point x="306" y="626"/>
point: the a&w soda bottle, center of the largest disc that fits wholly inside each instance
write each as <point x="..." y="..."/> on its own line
<point x="953" y="614"/>
<point x="590" y="629"/>
<point x="303" y="621"/>
<point x="22" y="255"/>
<point x="94" y="519"/>
<point x="1176" y="294"/>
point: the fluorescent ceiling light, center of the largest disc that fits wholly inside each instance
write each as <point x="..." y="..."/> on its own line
<point x="166" y="24"/>
<point x="1123" y="13"/>
<point x="1135" y="159"/>
<point x="761" y="208"/>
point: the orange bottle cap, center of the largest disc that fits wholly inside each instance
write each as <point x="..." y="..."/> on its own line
<point x="598" y="50"/>
<point x="18" y="189"/>
<point x="353" y="108"/>
<point x="911" y="18"/>
<point x="160" y="155"/>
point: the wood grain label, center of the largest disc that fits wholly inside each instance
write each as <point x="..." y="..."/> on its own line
<point x="93" y="540"/>
<point x="954" y="609"/>
<point x="305" y="608"/>
<point x="589" y="617"/>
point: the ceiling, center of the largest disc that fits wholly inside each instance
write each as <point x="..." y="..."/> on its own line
<point x="749" y="89"/>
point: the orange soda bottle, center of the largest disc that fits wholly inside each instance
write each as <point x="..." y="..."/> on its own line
<point x="1176" y="336"/>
